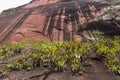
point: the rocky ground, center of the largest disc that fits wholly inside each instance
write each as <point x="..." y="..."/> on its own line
<point x="97" y="71"/>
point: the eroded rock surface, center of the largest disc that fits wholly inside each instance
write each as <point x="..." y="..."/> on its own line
<point x="54" y="20"/>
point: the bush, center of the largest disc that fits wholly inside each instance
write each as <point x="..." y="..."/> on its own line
<point x="60" y="56"/>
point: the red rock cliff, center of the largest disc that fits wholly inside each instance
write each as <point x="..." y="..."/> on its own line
<point x="54" y="20"/>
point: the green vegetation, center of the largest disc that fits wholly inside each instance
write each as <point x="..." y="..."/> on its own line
<point x="108" y="49"/>
<point x="60" y="56"/>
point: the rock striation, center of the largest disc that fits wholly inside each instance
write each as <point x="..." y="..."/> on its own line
<point x="52" y="20"/>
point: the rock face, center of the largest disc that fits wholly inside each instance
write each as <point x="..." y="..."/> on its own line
<point x="54" y="20"/>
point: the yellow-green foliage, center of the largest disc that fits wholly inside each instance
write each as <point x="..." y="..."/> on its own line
<point x="60" y="55"/>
